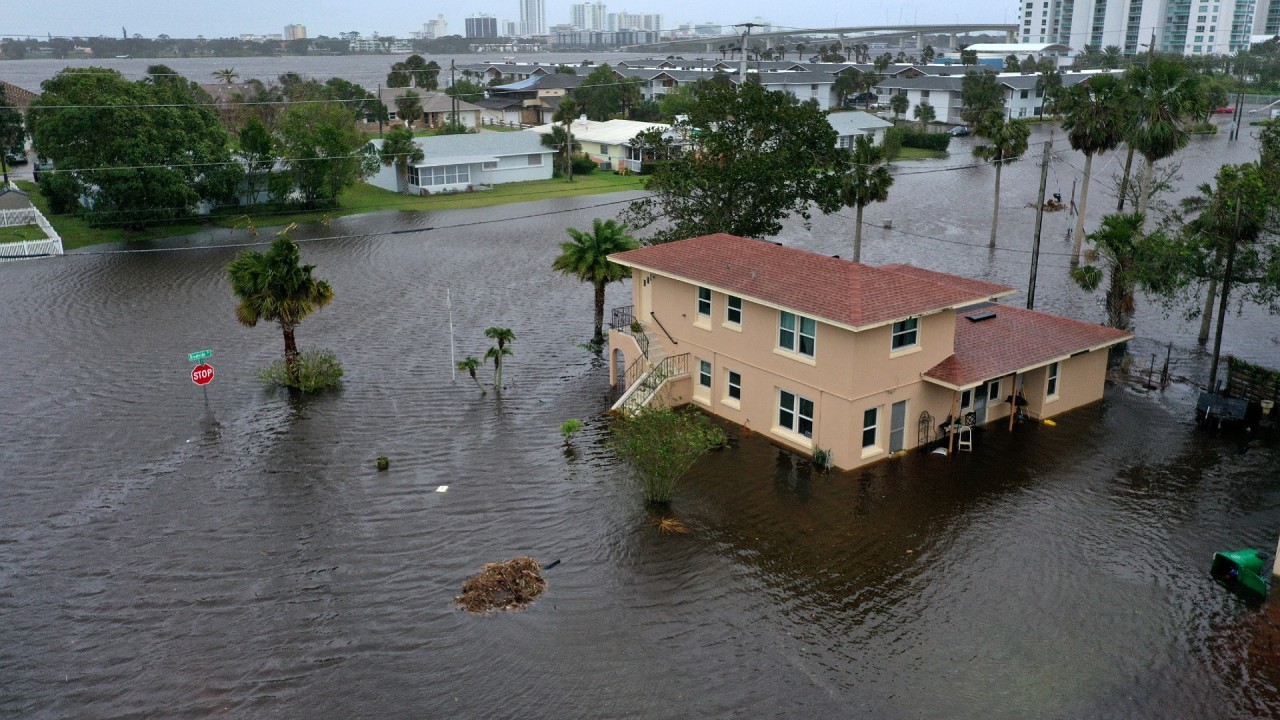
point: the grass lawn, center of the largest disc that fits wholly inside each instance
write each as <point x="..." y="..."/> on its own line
<point x="921" y="154"/>
<point x="21" y="233"/>
<point x="362" y="198"/>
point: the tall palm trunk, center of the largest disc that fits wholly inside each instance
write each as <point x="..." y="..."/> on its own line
<point x="290" y="352"/>
<point x="857" y="237"/>
<point x="1144" y="191"/>
<point x="1084" y="204"/>
<point x="598" y="339"/>
<point x="995" y="210"/>
<point x="1206" y="319"/>
<point x="1124" y="180"/>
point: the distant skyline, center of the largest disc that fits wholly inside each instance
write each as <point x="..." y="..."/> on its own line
<point x="231" y="18"/>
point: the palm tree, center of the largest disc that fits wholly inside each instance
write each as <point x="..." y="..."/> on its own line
<point x="928" y="54"/>
<point x="409" y="108"/>
<point x="846" y="84"/>
<point x="799" y="52"/>
<point x="868" y="182"/>
<point x="1127" y="254"/>
<point x="399" y="149"/>
<point x="899" y="105"/>
<point x="559" y="139"/>
<point x="275" y="286"/>
<point x="470" y="365"/>
<point x="925" y="113"/>
<point x="587" y="258"/>
<point x="565" y="115"/>
<point x="1165" y="96"/>
<point x="502" y="336"/>
<point x="723" y="49"/>
<point x="1095" y="119"/>
<point x="1006" y="142"/>
<point x="226" y="75"/>
<point x="1111" y="57"/>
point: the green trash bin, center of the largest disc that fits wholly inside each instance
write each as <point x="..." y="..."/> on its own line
<point x="1241" y="569"/>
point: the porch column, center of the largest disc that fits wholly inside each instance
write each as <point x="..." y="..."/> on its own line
<point x="1013" y="400"/>
<point x="951" y="426"/>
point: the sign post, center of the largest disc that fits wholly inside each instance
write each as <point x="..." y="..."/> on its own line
<point x="202" y="374"/>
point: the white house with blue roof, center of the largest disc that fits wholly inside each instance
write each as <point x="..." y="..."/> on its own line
<point x="471" y="161"/>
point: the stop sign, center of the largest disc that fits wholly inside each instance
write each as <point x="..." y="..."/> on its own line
<point x="202" y="374"/>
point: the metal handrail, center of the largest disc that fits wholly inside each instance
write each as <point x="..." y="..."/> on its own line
<point x="622" y="319"/>
<point x="664" y="329"/>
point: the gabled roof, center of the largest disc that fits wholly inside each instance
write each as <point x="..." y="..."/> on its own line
<point x="1014" y="340"/>
<point x="849" y="294"/>
<point x="475" y="147"/>
<point x="552" y="81"/>
<point x="855" y="122"/>
<point x="608" y="132"/>
<point x="797" y="77"/>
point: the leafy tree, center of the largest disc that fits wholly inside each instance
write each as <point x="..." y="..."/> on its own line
<point x="1165" y="96"/>
<point x="276" y="287"/>
<point x="867" y="182"/>
<point x="324" y="151"/>
<point x="502" y="336"/>
<point x="980" y="94"/>
<point x="414" y="71"/>
<point x="400" y="149"/>
<point x="565" y="114"/>
<point x="587" y="258"/>
<point x="565" y="70"/>
<point x="359" y="101"/>
<point x="1095" y="118"/>
<point x="661" y="444"/>
<point x="564" y="146"/>
<point x="761" y="156"/>
<point x="257" y="151"/>
<point x="968" y="57"/>
<point x="469" y="366"/>
<point x="141" y="151"/>
<point x="846" y="84"/>
<point x="465" y="90"/>
<point x="925" y="114"/>
<point x="678" y="102"/>
<point x="1012" y="63"/>
<point x="409" y="108"/>
<point x="1028" y="66"/>
<point x="227" y="75"/>
<point x="899" y="105"/>
<point x="1130" y="260"/>
<point x="600" y="94"/>
<point x="11" y="133"/>
<point x="928" y="54"/>
<point x="1006" y="141"/>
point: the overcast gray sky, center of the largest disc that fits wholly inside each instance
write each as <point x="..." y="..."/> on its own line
<point x="229" y="18"/>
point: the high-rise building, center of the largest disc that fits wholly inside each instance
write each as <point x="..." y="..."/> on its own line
<point x="510" y="28"/>
<point x="482" y="26"/>
<point x="295" y="32"/>
<point x="587" y="16"/>
<point x="437" y="28"/>
<point x="533" y="17"/>
<point x="633" y="21"/>
<point x="1266" y="18"/>
<point x="1188" y="27"/>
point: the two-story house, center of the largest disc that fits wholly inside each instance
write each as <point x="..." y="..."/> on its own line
<point x="820" y="353"/>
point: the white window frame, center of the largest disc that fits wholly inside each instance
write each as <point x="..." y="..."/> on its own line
<point x="704" y="373"/>
<point x="993" y="391"/>
<point x="1053" y="381"/>
<point x="966" y="400"/>
<point x="704" y="312"/>
<point x="903" y="329"/>
<point x="796" y="344"/>
<point x="796" y="411"/>
<point x="730" y="310"/>
<point x="730" y="386"/>
<point x="874" y="428"/>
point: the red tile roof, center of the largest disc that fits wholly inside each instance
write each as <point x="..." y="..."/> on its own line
<point x="1015" y="340"/>
<point x="832" y="289"/>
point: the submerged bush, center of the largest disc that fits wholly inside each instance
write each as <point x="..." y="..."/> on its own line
<point x="661" y="445"/>
<point x="317" y="370"/>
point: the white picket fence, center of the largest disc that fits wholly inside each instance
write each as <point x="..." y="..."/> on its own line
<point x="50" y="245"/>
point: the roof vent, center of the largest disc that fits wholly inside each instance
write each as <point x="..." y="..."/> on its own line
<point x="980" y="316"/>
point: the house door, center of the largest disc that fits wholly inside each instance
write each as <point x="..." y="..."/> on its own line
<point x="980" y="405"/>
<point x="897" y="425"/>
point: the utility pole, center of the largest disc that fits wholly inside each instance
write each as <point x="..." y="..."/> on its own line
<point x="1035" y="243"/>
<point x="378" y="110"/>
<point x="453" y="104"/>
<point x="742" y="67"/>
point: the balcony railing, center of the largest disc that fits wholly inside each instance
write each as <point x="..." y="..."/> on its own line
<point x="623" y="320"/>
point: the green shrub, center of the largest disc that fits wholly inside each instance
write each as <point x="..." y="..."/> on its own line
<point x="317" y="370"/>
<point x="924" y="140"/>
<point x="583" y="165"/>
<point x="569" y="427"/>
<point x="892" y="143"/>
<point x="661" y="444"/>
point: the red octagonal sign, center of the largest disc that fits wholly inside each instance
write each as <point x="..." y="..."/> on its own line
<point x="202" y="374"/>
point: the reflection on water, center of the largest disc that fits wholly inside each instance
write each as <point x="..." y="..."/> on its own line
<point x="158" y="559"/>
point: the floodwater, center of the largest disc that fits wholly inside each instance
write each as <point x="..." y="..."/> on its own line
<point x="161" y="559"/>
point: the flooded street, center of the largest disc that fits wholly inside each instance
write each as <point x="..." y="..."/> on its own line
<point x="161" y="559"/>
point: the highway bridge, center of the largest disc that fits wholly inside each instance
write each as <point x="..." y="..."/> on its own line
<point x="846" y="35"/>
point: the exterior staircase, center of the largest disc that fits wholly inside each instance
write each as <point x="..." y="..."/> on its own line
<point x="649" y="372"/>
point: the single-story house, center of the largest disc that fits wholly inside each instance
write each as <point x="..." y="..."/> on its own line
<point x="852" y="123"/>
<point x="609" y="142"/>
<point x="471" y="160"/>
<point x="436" y="106"/>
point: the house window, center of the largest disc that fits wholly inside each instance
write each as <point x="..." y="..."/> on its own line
<point x="797" y="333"/>
<point x="535" y="159"/>
<point x="924" y="94"/>
<point x="993" y="391"/>
<point x="704" y="373"/>
<point x="795" y="413"/>
<point x="1023" y="95"/>
<point x="735" y="385"/>
<point x="905" y="333"/>
<point x="490" y="165"/>
<point x="440" y="175"/>
<point x="704" y="302"/>
<point x="733" y="310"/>
<point x="966" y="399"/>
<point x="871" y="428"/>
<point x="1051" y="389"/>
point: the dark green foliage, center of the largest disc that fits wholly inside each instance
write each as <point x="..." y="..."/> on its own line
<point x="587" y="258"/>
<point x="600" y="94"/>
<point x="583" y="165"/>
<point x="980" y="95"/>
<point x="316" y="370"/>
<point x="325" y="153"/>
<point x="156" y="150"/>
<point x="466" y="90"/>
<point x="761" y="157"/>
<point x="414" y="71"/>
<point x="661" y="445"/>
<point x="924" y="140"/>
